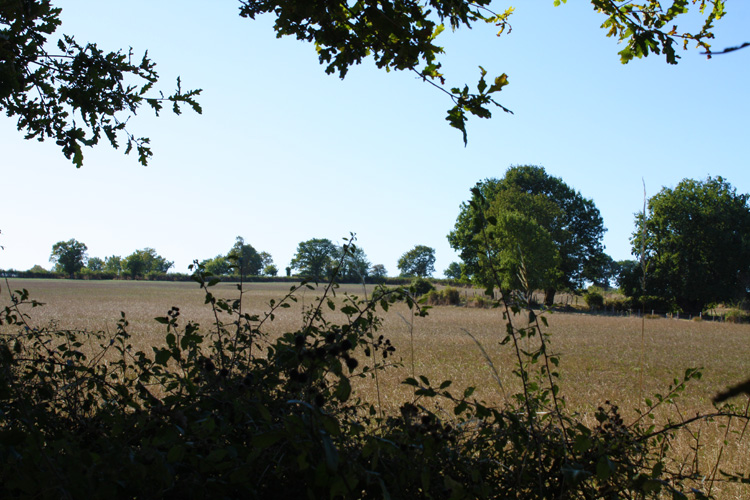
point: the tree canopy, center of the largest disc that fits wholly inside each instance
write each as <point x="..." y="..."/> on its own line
<point x="69" y="256"/>
<point x="314" y="258"/>
<point x="419" y="261"/>
<point x="74" y="94"/>
<point x="454" y="271"/>
<point x="218" y="266"/>
<point x="378" y="272"/>
<point x="318" y="258"/>
<point x="697" y="244"/>
<point x="113" y="264"/>
<point x="245" y="260"/>
<point x="95" y="264"/>
<point x="355" y="267"/>
<point x="558" y="231"/>
<point x="142" y="262"/>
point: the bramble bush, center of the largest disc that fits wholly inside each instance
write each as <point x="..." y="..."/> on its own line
<point x="420" y="286"/>
<point x="229" y="412"/>
<point x="447" y="296"/>
<point x="594" y="298"/>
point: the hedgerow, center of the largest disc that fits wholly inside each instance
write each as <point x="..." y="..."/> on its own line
<point x="229" y="412"/>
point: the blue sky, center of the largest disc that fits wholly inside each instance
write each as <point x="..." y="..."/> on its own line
<point x="284" y="153"/>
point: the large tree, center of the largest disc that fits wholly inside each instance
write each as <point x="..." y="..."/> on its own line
<point x="697" y="244"/>
<point x="142" y="262"/>
<point x="69" y="256"/>
<point x="354" y="265"/>
<point x="245" y="259"/>
<point x="74" y="93"/>
<point x="315" y="258"/>
<point x="419" y="261"/>
<point x="528" y="197"/>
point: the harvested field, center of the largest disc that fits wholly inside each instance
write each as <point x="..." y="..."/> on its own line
<point x="602" y="358"/>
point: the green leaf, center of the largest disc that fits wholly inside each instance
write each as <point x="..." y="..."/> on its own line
<point x="604" y="468"/>
<point x="266" y="440"/>
<point x="331" y="453"/>
<point x="217" y="455"/>
<point x="176" y="453"/>
<point x="500" y="82"/>
<point x="582" y="443"/>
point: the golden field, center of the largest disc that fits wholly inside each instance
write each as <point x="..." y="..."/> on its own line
<point x="603" y="358"/>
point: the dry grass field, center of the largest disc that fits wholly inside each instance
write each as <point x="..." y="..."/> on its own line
<point x="602" y="358"/>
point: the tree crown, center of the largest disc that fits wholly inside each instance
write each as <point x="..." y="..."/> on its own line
<point x="697" y="243"/>
<point x="419" y="261"/>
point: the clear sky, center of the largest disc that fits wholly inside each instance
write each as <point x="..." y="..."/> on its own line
<point x="284" y="153"/>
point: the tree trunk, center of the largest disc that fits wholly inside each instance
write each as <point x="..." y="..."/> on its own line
<point x="549" y="297"/>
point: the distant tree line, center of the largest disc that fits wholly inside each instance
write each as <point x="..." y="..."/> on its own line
<point x="525" y="231"/>
<point x="315" y="259"/>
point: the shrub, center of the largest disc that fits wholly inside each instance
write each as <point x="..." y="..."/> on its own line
<point x="420" y="286"/>
<point x="736" y="316"/>
<point x="39" y="270"/>
<point x="447" y="296"/>
<point x="478" y="301"/>
<point x="452" y="295"/>
<point x="594" y="298"/>
<point x="618" y="303"/>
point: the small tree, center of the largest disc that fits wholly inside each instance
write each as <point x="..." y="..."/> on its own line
<point x="265" y="259"/>
<point x="113" y="264"/>
<point x="270" y="270"/>
<point x="38" y="269"/>
<point x="69" y="256"/>
<point x="95" y="264"/>
<point x="378" y="273"/>
<point x="218" y="266"/>
<point x="419" y="261"/>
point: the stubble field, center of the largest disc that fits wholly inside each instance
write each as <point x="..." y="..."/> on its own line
<point x="602" y="358"/>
